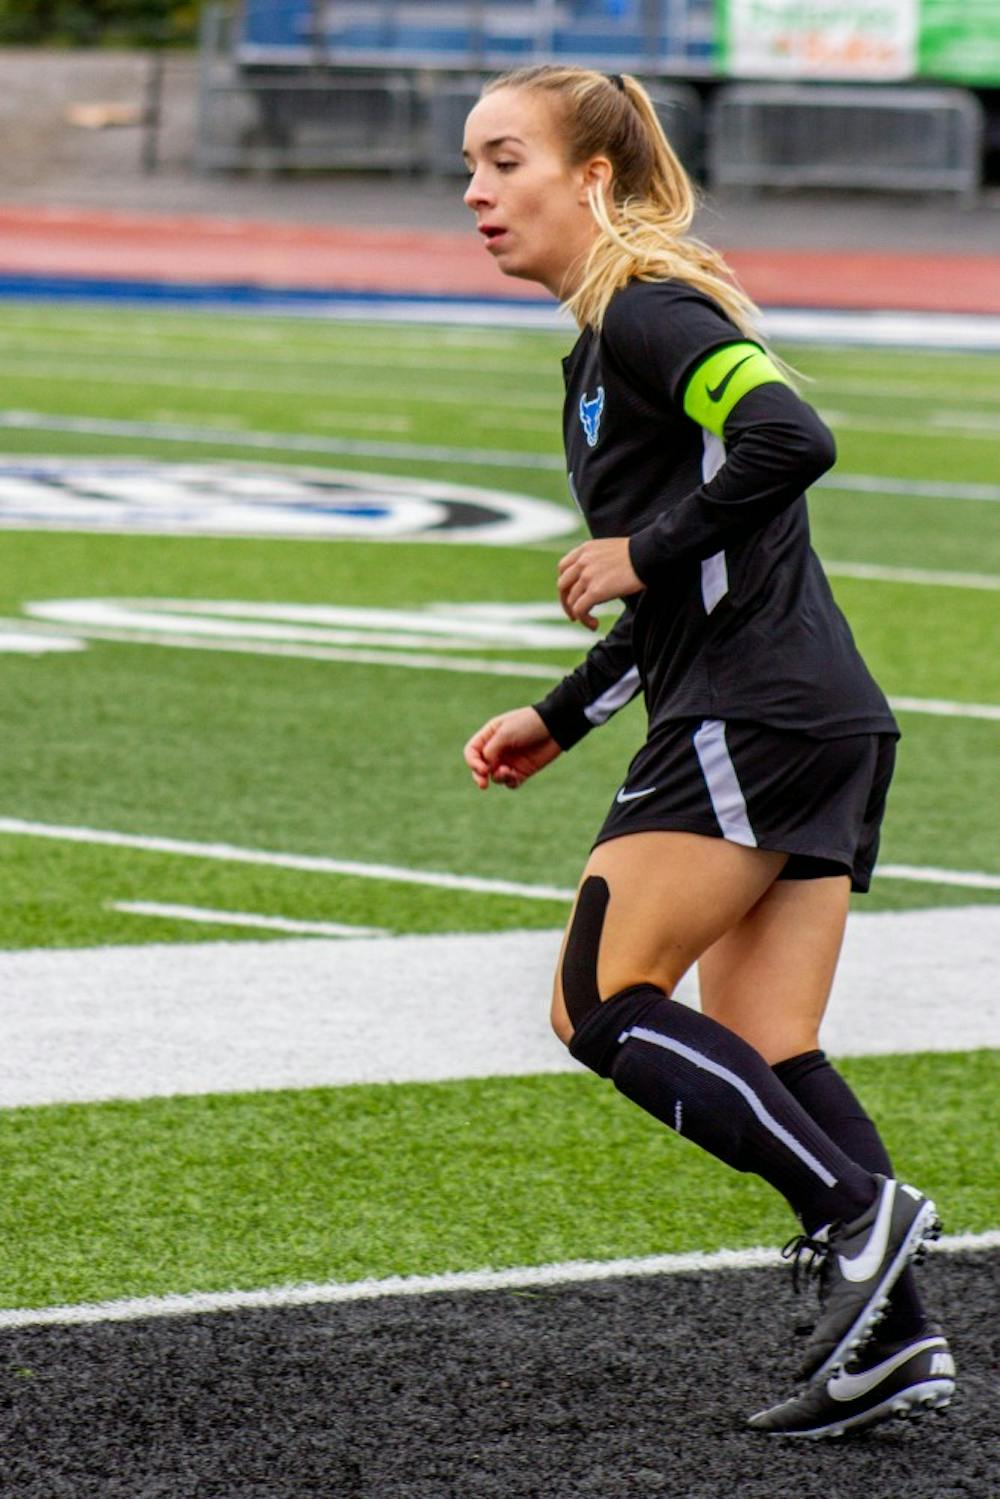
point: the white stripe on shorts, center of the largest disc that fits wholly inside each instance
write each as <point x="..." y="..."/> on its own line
<point x="766" y="1118"/>
<point x="723" y="783"/>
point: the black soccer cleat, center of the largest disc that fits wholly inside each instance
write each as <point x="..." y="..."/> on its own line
<point x="858" y="1264"/>
<point x="902" y="1379"/>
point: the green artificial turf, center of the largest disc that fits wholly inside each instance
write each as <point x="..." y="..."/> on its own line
<point x="131" y="1199"/>
<point x="363" y="762"/>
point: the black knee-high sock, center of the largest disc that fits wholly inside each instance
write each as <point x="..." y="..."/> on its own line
<point x="828" y="1099"/>
<point x="707" y="1083"/>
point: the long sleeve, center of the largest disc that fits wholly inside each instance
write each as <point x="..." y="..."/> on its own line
<point x="775" y="447"/>
<point x="605" y="681"/>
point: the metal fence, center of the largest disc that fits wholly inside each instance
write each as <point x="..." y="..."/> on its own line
<point x="892" y="139"/>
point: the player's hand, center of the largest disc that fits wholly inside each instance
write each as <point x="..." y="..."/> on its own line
<point x="592" y="574"/>
<point x="509" y="749"/>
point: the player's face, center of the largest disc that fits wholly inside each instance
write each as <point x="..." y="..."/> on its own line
<point x="530" y="204"/>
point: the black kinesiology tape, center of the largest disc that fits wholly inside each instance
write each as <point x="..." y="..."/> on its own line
<point x="579" y="969"/>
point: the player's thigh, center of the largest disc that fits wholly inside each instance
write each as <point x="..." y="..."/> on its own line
<point x="670" y="897"/>
<point x="769" y="976"/>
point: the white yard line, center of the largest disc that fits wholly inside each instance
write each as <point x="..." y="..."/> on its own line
<point x="311" y="863"/>
<point x="208" y="917"/>
<point x="945" y="708"/>
<point x="320" y="864"/>
<point x="871" y="572"/>
<point x="931" y="875"/>
<point x="460" y="1282"/>
<point x="292" y="442"/>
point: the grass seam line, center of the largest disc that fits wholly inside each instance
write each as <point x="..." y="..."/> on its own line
<point x="521" y="1277"/>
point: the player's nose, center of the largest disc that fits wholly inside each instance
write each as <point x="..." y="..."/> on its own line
<point x="476" y="195"/>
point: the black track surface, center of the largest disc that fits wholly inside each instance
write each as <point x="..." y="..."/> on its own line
<point x="616" y="1390"/>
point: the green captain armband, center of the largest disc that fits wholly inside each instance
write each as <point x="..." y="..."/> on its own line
<point x="725" y="377"/>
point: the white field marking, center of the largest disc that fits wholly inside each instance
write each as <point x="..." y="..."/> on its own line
<point x="435" y="453"/>
<point x="422" y="360"/>
<point x="923" y="577"/>
<point x="421" y="661"/>
<point x="449" y="626"/>
<point x="908" y="489"/>
<point x="894" y="390"/>
<point x="927" y="874"/>
<point x="919" y="330"/>
<point x="308" y="631"/>
<point x="101" y="373"/>
<point x="945" y="708"/>
<point x="455" y="1282"/>
<point x="242" y="1016"/>
<point x="320" y="864"/>
<point x="938" y="424"/>
<point x="244" y="919"/>
<point x="311" y="863"/>
<point x="285" y="442"/>
<point x="22" y="642"/>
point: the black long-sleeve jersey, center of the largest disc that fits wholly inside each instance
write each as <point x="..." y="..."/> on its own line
<point x="737" y="620"/>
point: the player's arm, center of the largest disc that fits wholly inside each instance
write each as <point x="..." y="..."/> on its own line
<point x="604" y="682"/>
<point x="775" y="447"/>
<point x="517" y="744"/>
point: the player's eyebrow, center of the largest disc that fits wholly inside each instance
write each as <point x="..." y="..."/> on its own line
<point x="498" y="140"/>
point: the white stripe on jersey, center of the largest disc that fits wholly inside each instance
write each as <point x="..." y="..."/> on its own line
<point x="723" y="783"/>
<point x="613" y="698"/>
<point x="714" y="576"/>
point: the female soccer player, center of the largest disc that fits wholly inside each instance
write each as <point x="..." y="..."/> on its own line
<point x="754" y="806"/>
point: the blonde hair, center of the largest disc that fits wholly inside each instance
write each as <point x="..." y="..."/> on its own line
<point x="644" y="230"/>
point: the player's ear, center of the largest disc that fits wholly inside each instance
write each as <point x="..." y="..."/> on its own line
<point x="597" y="172"/>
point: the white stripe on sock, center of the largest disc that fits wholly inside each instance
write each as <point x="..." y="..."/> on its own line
<point x="655" y="1038"/>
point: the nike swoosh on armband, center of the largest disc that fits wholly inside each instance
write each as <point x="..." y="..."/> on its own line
<point x="720" y="390"/>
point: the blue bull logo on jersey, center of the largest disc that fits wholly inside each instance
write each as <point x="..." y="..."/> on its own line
<point x="590" y="415"/>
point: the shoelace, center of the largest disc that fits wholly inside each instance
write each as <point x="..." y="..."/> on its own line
<point x="817" y="1249"/>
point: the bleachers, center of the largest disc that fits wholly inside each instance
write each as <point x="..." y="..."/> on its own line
<point x="387" y="84"/>
<point x="490" y="34"/>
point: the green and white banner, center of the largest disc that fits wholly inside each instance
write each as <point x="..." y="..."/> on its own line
<point x="875" y="41"/>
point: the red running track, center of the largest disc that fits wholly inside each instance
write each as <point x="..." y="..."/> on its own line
<point x="192" y="250"/>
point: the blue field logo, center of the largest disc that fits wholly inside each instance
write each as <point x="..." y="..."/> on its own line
<point x="145" y="497"/>
<point x="590" y="415"/>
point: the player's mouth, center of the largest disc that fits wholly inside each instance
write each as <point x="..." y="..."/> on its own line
<point x="493" y="235"/>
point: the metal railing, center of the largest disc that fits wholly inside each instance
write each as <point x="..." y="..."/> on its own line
<point x="891" y="139"/>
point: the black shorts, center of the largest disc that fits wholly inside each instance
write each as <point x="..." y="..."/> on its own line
<point x="820" y="800"/>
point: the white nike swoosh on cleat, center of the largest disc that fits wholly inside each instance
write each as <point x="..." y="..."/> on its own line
<point x="851" y="1386"/>
<point x="864" y="1265"/>
<point x="631" y="796"/>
